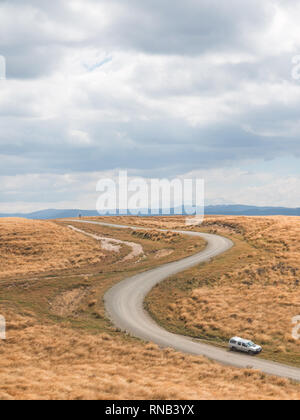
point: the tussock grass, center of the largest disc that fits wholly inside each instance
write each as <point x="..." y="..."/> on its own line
<point x="156" y="236"/>
<point x="28" y="247"/>
<point x="50" y="362"/>
<point x="60" y="345"/>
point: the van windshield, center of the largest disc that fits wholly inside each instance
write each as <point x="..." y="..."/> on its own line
<point x="250" y="344"/>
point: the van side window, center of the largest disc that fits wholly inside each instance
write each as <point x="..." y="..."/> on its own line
<point x="240" y="344"/>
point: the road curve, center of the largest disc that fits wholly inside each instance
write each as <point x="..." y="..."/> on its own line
<point x="125" y="306"/>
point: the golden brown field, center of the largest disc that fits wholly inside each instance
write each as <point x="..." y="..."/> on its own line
<point x="28" y="247"/>
<point x="252" y="291"/>
<point x="60" y="345"/>
<point x="41" y="361"/>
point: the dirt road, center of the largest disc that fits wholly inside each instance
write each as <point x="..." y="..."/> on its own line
<point x="125" y="306"/>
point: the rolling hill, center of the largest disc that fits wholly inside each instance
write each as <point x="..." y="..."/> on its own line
<point x="222" y="210"/>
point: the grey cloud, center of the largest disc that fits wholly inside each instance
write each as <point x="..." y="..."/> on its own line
<point x="200" y="77"/>
<point x="168" y="144"/>
<point x="32" y="62"/>
<point x="31" y="48"/>
<point x="189" y="27"/>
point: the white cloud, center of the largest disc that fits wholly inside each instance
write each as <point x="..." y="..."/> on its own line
<point x="236" y="186"/>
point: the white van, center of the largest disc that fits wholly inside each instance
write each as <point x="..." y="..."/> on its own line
<point x="244" y="346"/>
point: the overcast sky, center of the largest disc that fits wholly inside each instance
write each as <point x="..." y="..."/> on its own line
<point x="163" y="88"/>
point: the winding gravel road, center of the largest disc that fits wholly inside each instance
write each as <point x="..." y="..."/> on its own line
<point x="125" y="306"/>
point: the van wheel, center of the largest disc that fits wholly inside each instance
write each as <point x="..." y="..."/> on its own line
<point x="251" y="353"/>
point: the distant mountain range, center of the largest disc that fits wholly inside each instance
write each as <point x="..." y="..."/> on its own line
<point x="241" y="210"/>
<point x="222" y="210"/>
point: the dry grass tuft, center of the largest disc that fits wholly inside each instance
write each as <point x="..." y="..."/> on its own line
<point x="67" y="303"/>
<point x="156" y="236"/>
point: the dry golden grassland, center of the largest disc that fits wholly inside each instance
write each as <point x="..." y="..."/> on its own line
<point x="61" y="345"/>
<point x="46" y="361"/>
<point x="252" y="291"/>
<point x="28" y="247"/>
<point x="156" y="222"/>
